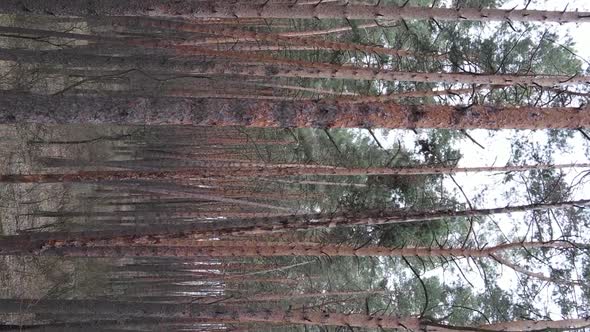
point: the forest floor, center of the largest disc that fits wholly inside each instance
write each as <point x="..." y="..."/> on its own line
<point x="23" y="149"/>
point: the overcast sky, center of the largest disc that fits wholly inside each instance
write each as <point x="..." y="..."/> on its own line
<point x="498" y="151"/>
<point x="579" y="32"/>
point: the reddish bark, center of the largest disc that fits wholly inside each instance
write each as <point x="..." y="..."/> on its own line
<point x="32" y="243"/>
<point x="244" y="35"/>
<point x="241" y="9"/>
<point x="206" y="311"/>
<point x="272" y="67"/>
<point x="217" y="313"/>
<point x="193" y="248"/>
<point x="132" y="110"/>
<point x="207" y="168"/>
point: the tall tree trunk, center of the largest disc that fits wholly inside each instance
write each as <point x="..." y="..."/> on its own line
<point x="217" y="313"/>
<point x="299" y="68"/>
<point x="241" y="35"/>
<point x="205" y="169"/>
<point x="214" y="313"/>
<point x="77" y="58"/>
<point x="192" y="248"/>
<point x="270" y="66"/>
<point x="310" y="33"/>
<point x="133" y="110"/>
<point x="33" y="243"/>
<point x="291" y="296"/>
<point x="319" y="10"/>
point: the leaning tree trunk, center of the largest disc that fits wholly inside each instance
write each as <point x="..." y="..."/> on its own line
<point x="261" y="9"/>
<point x="135" y="110"/>
<point x="241" y="35"/>
<point x="196" y="61"/>
<point x="291" y="297"/>
<point x="298" y="68"/>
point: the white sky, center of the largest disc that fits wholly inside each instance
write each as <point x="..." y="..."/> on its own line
<point x="579" y="32"/>
<point x="498" y="152"/>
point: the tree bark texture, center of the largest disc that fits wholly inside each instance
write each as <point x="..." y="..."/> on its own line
<point x="217" y="313"/>
<point x="243" y="9"/>
<point x="32" y="243"/>
<point x="256" y="249"/>
<point x="213" y="313"/>
<point x="206" y="169"/>
<point x="269" y="66"/>
<point x="137" y="110"/>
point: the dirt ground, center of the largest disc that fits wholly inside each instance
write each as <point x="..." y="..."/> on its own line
<point x="26" y="149"/>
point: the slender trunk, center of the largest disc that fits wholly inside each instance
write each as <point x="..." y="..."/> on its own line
<point x="413" y="94"/>
<point x="312" y="90"/>
<point x="272" y="67"/>
<point x="272" y="249"/>
<point x="33" y="243"/>
<point x="133" y="110"/>
<point x="538" y="275"/>
<point x="217" y="313"/>
<point x="317" y="183"/>
<point x="329" y="31"/>
<point x="79" y="59"/>
<point x="243" y="35"/>
<point x="307" y="33"/>
<point x="301" y="68"/>
<point x="214" y="313"/>
<point x="319" y="10"/>
<point x="205" y="169"/>
<point x="190" y="192"/>
<point x="16" y="31"/>
<point x="142" y="215"/>
<point x="291" y="296"/>
<point x="536" y="325"/>
<point x="192" y="248"/>
<point x="312" y="2"/>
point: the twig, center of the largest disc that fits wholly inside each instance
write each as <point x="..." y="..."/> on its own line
<point x="584" y="133"/>
<point x="283" y="268"/>
<point x="464" y="132"/>
<point x="377" y="141"/>
<point x="332" y="140"/>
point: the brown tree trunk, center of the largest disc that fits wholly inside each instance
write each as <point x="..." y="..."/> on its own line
<point x="320" y="10"/>
<point x="133" y="110"/>
<point x="206" y="169"/>
<point x="292" y="296"/>
<point x="275" y="67"/>
<point x="193" y="248"/>
<point x="216" y="313"/>
<point x="77" y="59"/>
<point x="310" y="33"/>
<point x="213" y="313"/>
<point x="535" y="325"/>
<point x="243" y="35"/>
<point x="307" y="33"/>
<point x="34" y="243"/>
<point x="298" y="68"/>
<point x="414" y="94"/>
